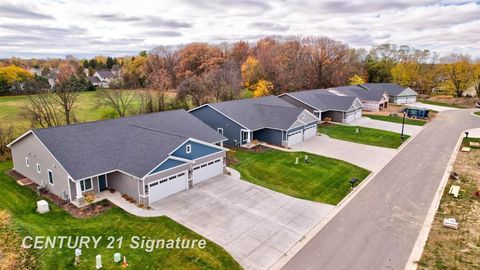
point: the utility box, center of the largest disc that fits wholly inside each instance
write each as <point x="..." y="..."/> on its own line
<point x="42" y="207"/>
<point x="420" y="113"/>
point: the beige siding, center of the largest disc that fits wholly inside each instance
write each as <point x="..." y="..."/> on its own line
<point x="31" y="147"/>
<point x="124" y="184"/>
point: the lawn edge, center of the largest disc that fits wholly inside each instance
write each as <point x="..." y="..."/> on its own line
<point x="422" y="237"/>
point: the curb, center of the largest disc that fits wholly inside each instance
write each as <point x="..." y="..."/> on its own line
<point x="417" y="250"/>
<point x="473" y="113"/>
<point x="280" y="263"/>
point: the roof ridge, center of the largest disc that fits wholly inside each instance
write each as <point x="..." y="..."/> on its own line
<point x="158" y="130"/>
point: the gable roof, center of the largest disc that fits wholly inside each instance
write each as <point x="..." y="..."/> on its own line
<point x="326" y="102"/>
<point x="94" y="79"/>
<point x="258" y="113"/>
<point x="134" y="145"/>
<point x="392" y="89"/>
<point x="104" y="73"/>
<point x="357" y="91"/>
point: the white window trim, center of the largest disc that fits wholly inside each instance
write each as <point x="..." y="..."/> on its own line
<point x="48" y="178"/>
<point x="188" y="148"/>
<point x="220" y="130"/>
<point x="91" y="184"/>
<point x="39" y="169"/>
<point x="27" y="162"/>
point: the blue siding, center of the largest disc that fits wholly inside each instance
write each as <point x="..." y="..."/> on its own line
<point x="216" y="120"/>
<point x="169" y="163"/>
<point x="271" y="136"/>
<point x="198" y="150"/>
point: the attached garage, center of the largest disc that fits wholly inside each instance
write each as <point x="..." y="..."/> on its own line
<point x="167" y="186"/>
<point x="401" y="100"/>
<point x="349" y="117"/>
<point x="411" y="99"/>
<point x="295" y="137"/>
<point x="207" y="170"/>
<point x="309" y="132"/>
<point x="358" y="114"/>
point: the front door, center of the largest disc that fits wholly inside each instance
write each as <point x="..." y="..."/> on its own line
<point x="102" y="182"/>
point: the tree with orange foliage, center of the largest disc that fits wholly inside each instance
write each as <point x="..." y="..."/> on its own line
<point x="262" y="88"/>
<point x="251" y="72"/>
<point x="196" y="59"/>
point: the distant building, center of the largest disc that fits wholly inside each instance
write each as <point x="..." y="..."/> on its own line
<point x="102" y="78"/>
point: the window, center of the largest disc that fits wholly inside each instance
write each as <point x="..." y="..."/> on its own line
<point x="86" y="184"/>
<point x="27" y="163"/>
<point x="50" y="177"/>
<point x="189" y="148"/>
<point x="220" y="130"/>
<point x="38" y="168"/>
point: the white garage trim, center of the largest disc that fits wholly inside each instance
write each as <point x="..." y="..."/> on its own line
<point x="167" y="186"/>
<point x="310" y="132"/>
<point x="294" y="137"/>
<point x="207" y="170"/>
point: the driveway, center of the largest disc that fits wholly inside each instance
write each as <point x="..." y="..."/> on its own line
<point x="254" y="224"/>
<point x="372" y="158"/>
<point x="379" y="227"/>
<point x="384" y="125"/>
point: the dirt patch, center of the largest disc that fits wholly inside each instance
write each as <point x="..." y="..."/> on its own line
<point x="231" y="159"/>
<point x="457" y="249"/>
<point x="462" y="102"/>
<point x="83" y="212"/>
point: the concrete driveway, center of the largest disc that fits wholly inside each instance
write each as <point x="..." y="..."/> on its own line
<point x="384" y="125"/>
<point x="369" y="157"/>
<point x="254" y="224"/>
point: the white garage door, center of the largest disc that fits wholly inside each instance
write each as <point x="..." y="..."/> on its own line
<point x="401" y="100"/>
<point x="412" y="99"/>
<point x="167" y="186"/>
<point x="310" y="132"/>
<point x="358" y="114"/>
<point x="295" y="137"/>
<point x="207" y="170"/>
<point x="350" y="117"/>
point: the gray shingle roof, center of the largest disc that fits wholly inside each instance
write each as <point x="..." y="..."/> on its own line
<point x="258" y="113"/>
<point x="356" y="91"/>
<point x="94" y="79"/>
<point x="325" y="102"/>
<point x="392" y="89"/>
<point x="105" y="73"/>
<point x="133" y="144"/>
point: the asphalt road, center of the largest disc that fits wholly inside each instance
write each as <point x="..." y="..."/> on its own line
<point x="378" y="228"/>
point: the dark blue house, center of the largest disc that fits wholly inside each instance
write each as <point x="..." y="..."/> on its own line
<point x="266" y="119"/>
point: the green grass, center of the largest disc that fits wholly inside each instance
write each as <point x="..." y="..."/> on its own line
<point x="396" y="119"/>
<point x="20" y="202"/>
<point x="438" y="103"/>
<point x="321" y="180"/>
<point x="477" y="113"/>
<point x="370" y="136"/>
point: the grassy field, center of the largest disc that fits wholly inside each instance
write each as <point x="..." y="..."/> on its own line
<point x="370" y="136"/>
<point x="457" y="249"/>
<point x="394" y="119"/>
<point x="442" y="103"/>
<point x="20" y="202"/>
<point x="477" y="113"/>
<point x="322" y="179"/>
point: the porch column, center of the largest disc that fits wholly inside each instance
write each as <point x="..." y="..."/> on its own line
<point x="248" y="137"/>
<point x="78" y="189"/>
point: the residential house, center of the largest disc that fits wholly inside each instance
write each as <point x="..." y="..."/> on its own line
<point x="102" y="78"/>
<point x="372" y="99"/>
<point x="342" y="109"/>
<point x="146" y="157"/>
<point x="266" y="119"/>
<point x="397" y="94"/>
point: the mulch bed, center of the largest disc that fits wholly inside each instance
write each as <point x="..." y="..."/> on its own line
<point x="231" y="154"/>
<point x="83" y="212"/>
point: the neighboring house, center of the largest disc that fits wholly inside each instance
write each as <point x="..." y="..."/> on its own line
<point x="372" y="99"/>
<point x="266" y="119"/>
<point x="102" y="78"/>
<point x="146" y="157"/>
<point x="397" y="94"/>
<point x="342" y="109"/>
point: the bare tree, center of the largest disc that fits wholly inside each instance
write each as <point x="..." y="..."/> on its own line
<point x="119" y="100"/>
<point x="192" y="88"/>
<point x="43" y="110"/>
<point x="7" y="135"/>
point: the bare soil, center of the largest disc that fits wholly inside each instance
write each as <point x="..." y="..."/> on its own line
<point x="457" y="249"/>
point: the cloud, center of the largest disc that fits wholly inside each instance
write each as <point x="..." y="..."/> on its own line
<point x="112" y="17"/>
<point x="163" y="33"/>
<point x="21" y="12"/>
<point x="154" y="21"/>
<point x="270" y="26"/>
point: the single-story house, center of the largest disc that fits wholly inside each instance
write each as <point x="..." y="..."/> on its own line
<point x="372" y="99"/>
<point x="342" y="109"/>
<point x="266" y="119"/>
<point x="397" y="94"/>
<point x="146" y="157"/>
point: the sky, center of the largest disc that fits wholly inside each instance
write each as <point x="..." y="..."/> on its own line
<point x="85" y="28"/>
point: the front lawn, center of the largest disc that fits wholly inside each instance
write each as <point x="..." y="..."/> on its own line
<point x="20" y="202"/>
<point x="370" y="136"/>
<point x="322" y="179"/>
<point x="396" y="119"/>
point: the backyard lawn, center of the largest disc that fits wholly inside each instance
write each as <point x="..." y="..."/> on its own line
<point x="396" y="119"/>
<point x="20" y="203"/>
<point x="322" y="179"/>
<point x="370" y="136"/>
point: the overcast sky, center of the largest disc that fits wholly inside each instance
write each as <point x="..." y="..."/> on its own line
<point x="53" y="28"/>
